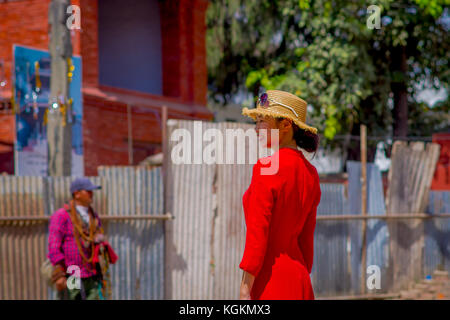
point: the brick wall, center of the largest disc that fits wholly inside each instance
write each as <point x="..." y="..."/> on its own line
<point x="105" y="134"/>
<point x="184" y="49"/>
<point x="22" y="22"/>
<point x="200" y="72"/>
<point x="89" y="42"/>
<point x="183" y="28"/>
<point x="105" y="125"/>
<point x="7" y="129"/>
<point x="105" y="128"/>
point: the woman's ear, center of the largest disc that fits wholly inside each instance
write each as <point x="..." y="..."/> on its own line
<point x="285" y="124"/>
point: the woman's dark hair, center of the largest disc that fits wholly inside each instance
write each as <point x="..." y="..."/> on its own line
<point x="306" y="140"/>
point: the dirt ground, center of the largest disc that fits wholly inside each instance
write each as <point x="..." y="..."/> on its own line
<point x="436" y="288"/>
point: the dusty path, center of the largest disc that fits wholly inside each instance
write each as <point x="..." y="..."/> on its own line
<point x="436" y="288"/>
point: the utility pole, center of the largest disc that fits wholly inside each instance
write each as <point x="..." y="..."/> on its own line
<point x="59" y="117"/>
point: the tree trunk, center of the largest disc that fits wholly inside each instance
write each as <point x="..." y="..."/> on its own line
<point x="399" y="85"/>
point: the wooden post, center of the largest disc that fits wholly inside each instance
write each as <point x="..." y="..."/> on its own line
<point x="363" y="205"/>
<point x="167" y="229"/>
<point x="164" y="146"/>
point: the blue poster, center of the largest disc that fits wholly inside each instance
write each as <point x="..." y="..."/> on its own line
<point x="31" y="94"/>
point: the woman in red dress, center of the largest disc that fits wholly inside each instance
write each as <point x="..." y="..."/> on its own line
<point x="280" y="208"/>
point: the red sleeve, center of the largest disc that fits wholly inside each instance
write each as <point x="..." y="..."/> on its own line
<point x="306" y="237"/>
<point x="259" y="203"/>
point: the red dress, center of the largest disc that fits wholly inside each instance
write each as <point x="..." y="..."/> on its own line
<point x="280" y="214"/>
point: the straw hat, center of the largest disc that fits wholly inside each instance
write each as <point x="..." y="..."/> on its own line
<point x="281" y="104"/>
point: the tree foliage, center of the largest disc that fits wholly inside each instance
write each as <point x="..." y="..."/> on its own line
<point x="323" y="51"/>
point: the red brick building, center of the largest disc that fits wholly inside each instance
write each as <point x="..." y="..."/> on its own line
<point x="138" y="53"/>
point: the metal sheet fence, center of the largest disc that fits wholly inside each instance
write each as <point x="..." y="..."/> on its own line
<point x="377" y="235"/>
<point x="205" y="264"/>
<point x="205" y="241"/>
<point x="138" y="274"/>
<point x="229" y="225"/>
<point x="22" y="247"/>
<point x="22" y="250"/>
<point x="190" y="242"/>
<point x="333" y="247"/>
<point x="207" y="237"/>
<point x="437" y="234"/>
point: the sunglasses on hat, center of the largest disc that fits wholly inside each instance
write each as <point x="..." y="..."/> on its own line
<point x="263" y="102"/>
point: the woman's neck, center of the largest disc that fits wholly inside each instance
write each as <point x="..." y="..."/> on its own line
<point x="290" y="144"/>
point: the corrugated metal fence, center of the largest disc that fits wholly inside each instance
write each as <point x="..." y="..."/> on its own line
<point x="206" y="239"/>
<point x="437" y="234"/>
<point x="333" y="246"/>
<point x="22" y="247"/>
<point x="197" y="255"/>
<point x="338" y="244"/>
<point x="138" y="274"/>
